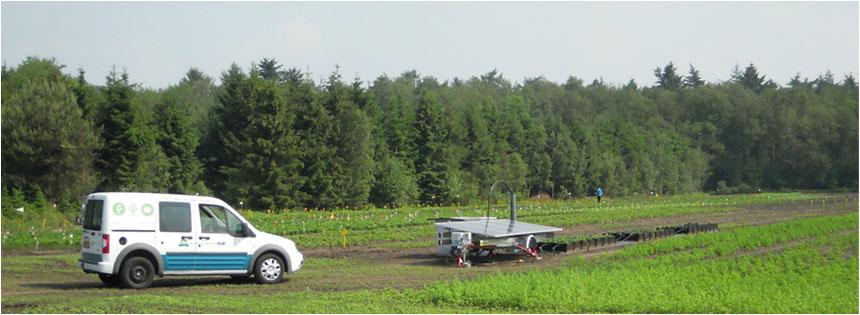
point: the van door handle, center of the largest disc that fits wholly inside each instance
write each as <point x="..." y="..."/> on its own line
<point x="204" y="237"/>
<point x="187" y="237"/>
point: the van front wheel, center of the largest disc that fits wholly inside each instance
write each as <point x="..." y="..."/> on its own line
<point x="137" y="273"/>
<point x="269" y="269"/>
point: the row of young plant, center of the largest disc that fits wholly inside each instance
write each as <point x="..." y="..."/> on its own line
<point x="41" y="226"/>
<point x="802" y="266"/>
<point x="36" y="224"/>
<point x="741" y="239"/>
<point x="382" y="226"/>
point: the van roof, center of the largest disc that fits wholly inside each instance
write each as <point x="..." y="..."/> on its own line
<point x="155" y="196"/>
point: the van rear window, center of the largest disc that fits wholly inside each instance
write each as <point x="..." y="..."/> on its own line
<point x="174" y="217"/>
<point x="93" y="215"/>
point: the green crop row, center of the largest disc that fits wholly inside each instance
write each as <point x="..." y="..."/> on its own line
<point x="408" y="226"/>
<point x="738" y="271"/>
<point x="804" y="265"/>
<point x="699" y="246"/>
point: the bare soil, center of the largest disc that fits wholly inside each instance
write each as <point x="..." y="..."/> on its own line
<point x="379" y="268"/>
<point x="744" y="216"/>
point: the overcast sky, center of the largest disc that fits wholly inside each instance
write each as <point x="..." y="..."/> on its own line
<point x="158" y="42"/>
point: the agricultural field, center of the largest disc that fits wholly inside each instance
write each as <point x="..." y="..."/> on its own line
<point x="774" y="253"/>
<point x="411" y="227"/>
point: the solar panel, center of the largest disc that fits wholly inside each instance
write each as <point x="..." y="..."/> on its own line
<point x="498" y="227"/>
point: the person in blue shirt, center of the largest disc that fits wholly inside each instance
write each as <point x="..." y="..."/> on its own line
<point x="598" y="193"/>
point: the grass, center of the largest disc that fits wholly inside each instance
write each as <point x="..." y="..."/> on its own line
<point x="411" y="227"/>
<point x="806" y="265"/>
<point x="706" y="273"/>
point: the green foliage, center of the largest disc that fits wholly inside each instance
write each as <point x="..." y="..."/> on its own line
<point x="354" y="150"/>
<point x="751" y="79"/>
<point x="178" y="139"/>
<point x="259" y="143"/>
<point x="272" y="138"/>
<point x="668" y="77"/>
<point x="394" y="184"/>
<point x="41" y="225"/>
<point x="693" y="79"/>
<point x="130" y="158"/>
<point x="48" y="143"/>
<point x="431" y="165"/>
<point x="708" y="273"/>
<point x="806" y="265"/>
<point x="410" y="226"/>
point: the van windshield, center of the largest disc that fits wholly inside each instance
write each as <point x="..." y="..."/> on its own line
<point x="93" y="215"/>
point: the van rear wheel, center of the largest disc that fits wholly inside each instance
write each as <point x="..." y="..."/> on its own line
<point x="137" y="273"/>
<point x="109" y="280"/>
<point x="269" y="269"/>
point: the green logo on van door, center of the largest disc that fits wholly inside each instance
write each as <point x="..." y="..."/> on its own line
<point x="118" y="208"/>
<point x="147" y="209"/>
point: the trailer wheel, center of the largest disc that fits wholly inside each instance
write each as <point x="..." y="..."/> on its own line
<point x="531" y="242"/>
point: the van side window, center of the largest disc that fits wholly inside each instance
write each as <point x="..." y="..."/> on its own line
<point x="174" y="217"/>
<point x="216" y="219"/>
<point x="93" y="215"/>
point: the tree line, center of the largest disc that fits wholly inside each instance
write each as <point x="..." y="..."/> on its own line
<point x="272" y="138"/>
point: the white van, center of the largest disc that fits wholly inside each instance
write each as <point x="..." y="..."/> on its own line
<point x="131" y="237"/>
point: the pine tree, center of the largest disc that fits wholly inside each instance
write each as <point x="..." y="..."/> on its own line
<point x="47" y="142"/>
<point x="824" y="81"/>
<point x="693" y="79"/>
<point x="668" y="77"/>
<point x="264" y="163"/>
<point x="631" y="85"/>
<point x="393" y="184"/>
<point x="85" y="96"/>
<point x="270" y="69"/>
<point x="352" y="143"/>
<point x="197" y="94"/>
<point x="481" y="155"/>
<point x="178" y="140"/>
<point x="432" y="158"/>
<point x="129" y="159"/>
<point x="849" y="82"/>
<point x="314" y="127"/>
<point x="228" y="115"/>
<point x="194" y="75"/>
<point x="795" y="82"/>
<point x="751" y="79"/>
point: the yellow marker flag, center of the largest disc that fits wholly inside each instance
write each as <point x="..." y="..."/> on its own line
<point x="345" y="238"/>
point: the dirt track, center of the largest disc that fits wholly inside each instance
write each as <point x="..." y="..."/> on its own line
<point x="376" y="268"/>
<point x="745" y="216"/>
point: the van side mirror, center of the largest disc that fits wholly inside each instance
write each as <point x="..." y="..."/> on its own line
<point x="246" y="231"/>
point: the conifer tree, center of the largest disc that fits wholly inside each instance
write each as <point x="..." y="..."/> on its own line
<point x="47" y="143"/>
<point x="129" y="159"/>
<point x="693" y="79"/>
<point x="431" y="136"/>
<point x="668" y="77"/>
